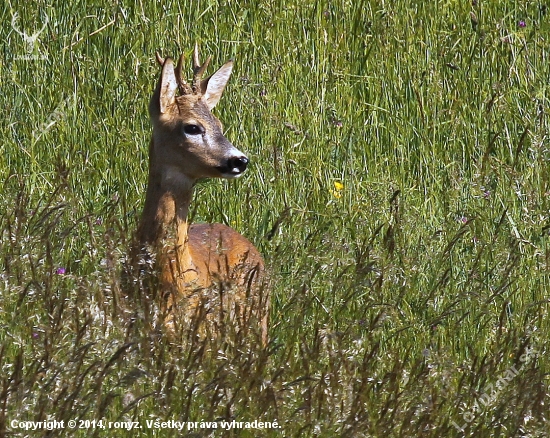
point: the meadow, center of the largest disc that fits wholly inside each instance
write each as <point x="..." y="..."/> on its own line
<point x="399" y="190"/>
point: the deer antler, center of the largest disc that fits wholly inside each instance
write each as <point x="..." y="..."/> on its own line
<point x="198" y="69"/>
<point x="160" y="59"/>
<point x="23" y="34"/>
<point x="182" y="84"/>
<point x="14" y="23"/>
<point x="35" y="35"/>
<point x="183" y="87"/>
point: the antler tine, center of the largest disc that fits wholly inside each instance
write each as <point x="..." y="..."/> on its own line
<point x="196" y="62"/>
<point x="199" y="72"/>
<point x="160" y="59"/>
<point x="198" y="69"/>
<point x="182" y="84"/>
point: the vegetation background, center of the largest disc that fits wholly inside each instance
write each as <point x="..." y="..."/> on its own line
<point x="399" y="190"/>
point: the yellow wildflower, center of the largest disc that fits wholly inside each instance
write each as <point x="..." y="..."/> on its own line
<point x="337" y="193"/>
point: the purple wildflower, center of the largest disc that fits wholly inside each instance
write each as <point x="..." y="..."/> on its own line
<point x="521" y="23"/>
<point x="60" y="271"/>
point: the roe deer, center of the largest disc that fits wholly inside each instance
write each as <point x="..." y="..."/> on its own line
<point x="209" y="271"/>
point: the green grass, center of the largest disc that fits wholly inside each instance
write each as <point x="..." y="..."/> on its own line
<point x="397" y="300"/>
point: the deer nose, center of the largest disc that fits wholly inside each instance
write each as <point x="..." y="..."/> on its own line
<point x="238" y="163"/>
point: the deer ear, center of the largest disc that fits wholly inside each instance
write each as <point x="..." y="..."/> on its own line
<point x="167" y="86"/>
<point x="212" y="87"/>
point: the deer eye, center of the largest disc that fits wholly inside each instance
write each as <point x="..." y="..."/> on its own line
<point x="193" y="129"/>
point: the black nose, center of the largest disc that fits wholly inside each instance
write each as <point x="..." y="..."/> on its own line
<point x="238" y="163"/>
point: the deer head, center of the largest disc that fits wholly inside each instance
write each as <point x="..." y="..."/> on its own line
<point x="30" y="40"/>
<point x="188" y="142"/>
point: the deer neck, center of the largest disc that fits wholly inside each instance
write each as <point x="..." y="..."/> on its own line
<point x="164" y="222"/>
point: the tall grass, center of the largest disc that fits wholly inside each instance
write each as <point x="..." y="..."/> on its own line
<point x="399" y="191"/>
